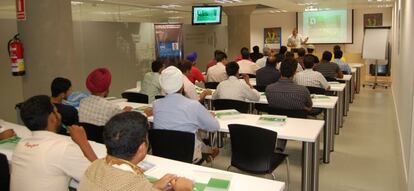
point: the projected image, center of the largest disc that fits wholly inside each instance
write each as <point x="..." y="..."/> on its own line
<point x="326" y="26"/>
<point x="206" y="15"/>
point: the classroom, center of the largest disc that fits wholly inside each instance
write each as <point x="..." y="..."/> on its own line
<point x="181" y="95"/>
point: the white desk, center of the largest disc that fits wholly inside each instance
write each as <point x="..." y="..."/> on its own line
<point x="239" y="182"/>
<point x="339" y="90"/>
<point x="354" y="76"/>
<point x="348" y="81"/>
<point x="328" y="105"/>
<point x="358" y="67"/>
<point x="306" y="131"/>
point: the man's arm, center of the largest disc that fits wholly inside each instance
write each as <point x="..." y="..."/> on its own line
<point x="205" y="119"/>
<point x="78" y="135"/>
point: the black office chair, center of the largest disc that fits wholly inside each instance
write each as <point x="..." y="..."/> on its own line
<point x="4" y="173"/>
<point x="250" y="75"/>
<point x="253" y="150"/>
<point x="329" y="79"/>
<point x="240" y="106"/>
<point x="176" y="145"/>
<point x="159" y="96"/>
<point x="94" y="132"/>
<point x="315" y="90"/>
<point x="211" y="85"/>
<point x="260" y="88"/>
<point x="295" y="113"/>
<point x="135" y="97"/>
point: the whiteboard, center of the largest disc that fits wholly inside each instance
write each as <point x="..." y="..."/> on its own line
<point x="375" y="43"/>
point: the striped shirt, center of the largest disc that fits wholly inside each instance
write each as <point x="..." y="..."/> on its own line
<point x="285" y="94"/>
<point x="327" y="69"/>
<point x="311" y="78"/>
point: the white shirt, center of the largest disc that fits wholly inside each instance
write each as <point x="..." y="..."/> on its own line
<point x="190" y="89"/>
<point x="235" y="89"/>
<point x="298" y="69"/>
<point x="311" y="78"/>
<point x="46" y="161"/>
<point x="97" y="110"/>
<point x="151" y="85"/>
<point x="295" y="40"/>
<point x="217" y="73"/>
<point x="262" y="62"/>
<point x="247" y="67"/>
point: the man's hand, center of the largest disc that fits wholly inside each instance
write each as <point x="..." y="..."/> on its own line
<point x="247" y="79"/>
<point x="7" y="134"/>
<point x="148" y="111"/>
<point x="78" y="134"/>
<point x="164" y="181"/>
<point x="182" y="184"/>
<point x="127" y="108"/>
<point x="213" y="114"/>
<point x="205" y="93"/>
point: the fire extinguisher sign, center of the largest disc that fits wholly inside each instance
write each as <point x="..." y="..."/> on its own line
<point x="20" y="10"/>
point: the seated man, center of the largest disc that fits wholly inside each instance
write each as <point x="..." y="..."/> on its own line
<point x="262" y="61"/>
<point x="342" y="65"/>
<point x="213" y="61"/>
<point x="309" y="77"/>
<point x="310" y="48"/>
<point x="268" y="74"/>
<point x="151" y="83"/>
<point x="46" y="160"/>
<point x="176" y="112"/>
<point x="217" y="73"/>
<point x="195" y="73"/>
<point x="61" y="89"/>
<point x="256" y="55"/>
<point x="190" y="88"/>
<point x="235" y="89"/>
<point x="291" y="56"/>
<point x="125" y="137"/>
<point x="246" y="65"/>
<point x="328" y="69"/>
<point x="285" y="94"/>
<point x="301" y="54"/>
<point x="95" y="109"/>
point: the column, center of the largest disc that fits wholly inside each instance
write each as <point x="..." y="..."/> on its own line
<point x="47" y="35"/>
<point x="238" y="24"/>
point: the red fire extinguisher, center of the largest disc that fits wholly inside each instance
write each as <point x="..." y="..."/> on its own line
<point x="15" y="48"/>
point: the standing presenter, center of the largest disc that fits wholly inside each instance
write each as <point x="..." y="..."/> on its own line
<point x="296" y="41"/>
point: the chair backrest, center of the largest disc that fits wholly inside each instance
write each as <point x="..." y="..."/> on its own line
<point x="250" y="75"/>
<point x="240" y="106"/>
<point x="260" y="88"/>
<point x="176" y="145"/>
<point x="159" y="96"/>
<point x="295" y="113"/>
<point x="252" y="148"/>
<point x="135" y="97"/>
<point x="211" y="85"/>
<point x="94" y="132"/>
<point x="315" y="90"/>
<point x="4" y="173"/>
<point x="330" y="79"/>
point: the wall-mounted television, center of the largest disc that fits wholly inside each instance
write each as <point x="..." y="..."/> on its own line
<point x="204" y="15"/>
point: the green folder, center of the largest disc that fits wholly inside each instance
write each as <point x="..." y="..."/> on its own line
<point x="140" y="109"/>
<point x="272" y="119"/>
<point x="14" y="139"/>
<point x="227" y="113"/>
<point x="218" y="184"/>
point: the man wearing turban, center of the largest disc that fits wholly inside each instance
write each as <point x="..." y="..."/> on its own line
<point x="95" y="109"/>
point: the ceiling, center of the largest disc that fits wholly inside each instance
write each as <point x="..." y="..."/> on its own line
<point x="152" y="10"/>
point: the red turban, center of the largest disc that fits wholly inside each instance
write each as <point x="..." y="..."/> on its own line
<point x="99" y="80"/>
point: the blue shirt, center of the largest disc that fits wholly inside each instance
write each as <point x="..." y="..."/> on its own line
<point x="176" y="112"/>
<point x="343" y="66"/>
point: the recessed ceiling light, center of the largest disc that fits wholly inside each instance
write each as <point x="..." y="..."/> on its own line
<point x="76" y="3"/>
<point x="170" y="6"/>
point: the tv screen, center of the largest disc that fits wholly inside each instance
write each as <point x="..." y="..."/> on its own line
<point x="203" y="15"/>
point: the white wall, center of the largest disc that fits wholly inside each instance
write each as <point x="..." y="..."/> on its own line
<point x="403" y="83"/>
<point x="259" y="21"/>
<point x="287" y="21"/>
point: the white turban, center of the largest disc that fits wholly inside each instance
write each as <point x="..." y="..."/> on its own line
<point x="171" y="80"/>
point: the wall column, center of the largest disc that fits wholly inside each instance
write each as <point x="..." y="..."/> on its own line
<point x="238" y="22"/>
<point x="47" y="35"/>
